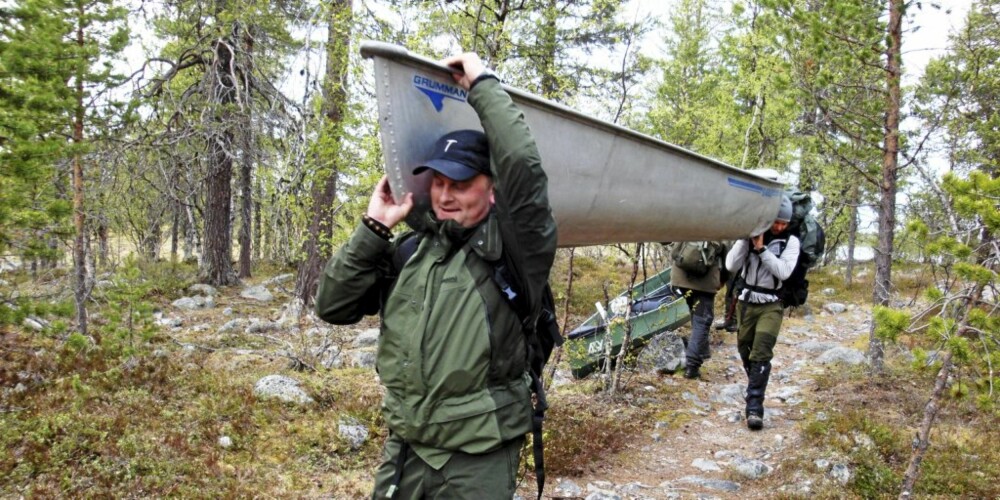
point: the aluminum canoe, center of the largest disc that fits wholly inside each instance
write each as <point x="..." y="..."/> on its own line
<point x="607" y="184"/>
<point x="654" y="307"/>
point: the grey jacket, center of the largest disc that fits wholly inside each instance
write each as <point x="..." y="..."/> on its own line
<point x="766" y="270"/>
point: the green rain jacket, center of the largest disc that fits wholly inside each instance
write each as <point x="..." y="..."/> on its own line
<point x="451" y="352"/>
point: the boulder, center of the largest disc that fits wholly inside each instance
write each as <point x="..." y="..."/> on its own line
<point x="281" y="387"/>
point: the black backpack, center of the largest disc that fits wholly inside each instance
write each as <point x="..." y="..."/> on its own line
<point x="812" y="238"/>
<point x="541" y="336"/>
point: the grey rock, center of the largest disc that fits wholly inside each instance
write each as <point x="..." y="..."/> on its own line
<point x="834" y="307"/>
<point x="189" y="303"/>
<point x="863" y="440"/>
<point x="279" y="279"/>
<point x="841" y="355"/>
<point x="822" y="464"/>
<point x="34" y="323"/>
<point x="170" y="322"/>
<point x="786" y="393"/>
<point x="257" y="292"/>
<point x="663" y="354"/>
<point x="362" y="358"/>
<point x="816" y="346"/>
<point x="227" y="311"/>
<point x="281" y="387"/>
<point x="262" y="326"/>
<point x="829" y="291"/>
<point x="603" y="495"/>
<point x="601" y="490"/>
<point x="333" y="360"/>
<point x="225" y="442"/>
<point x="353" y="432"/>
<point x="366" y="338"/>
<point x="712" y="484"/>
<point x="731" y="394"/>
<point x="233" y="324"/>
<point x="750" y="468"/>
<point x="705" y="465"/>
<point x="841" y="473"/>
<point x="565" y="487"/>
<point x="203" y="289"/>
<point x="687" y="396"/>
<point x="104" y="284"/>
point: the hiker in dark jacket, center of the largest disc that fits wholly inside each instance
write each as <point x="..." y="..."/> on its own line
<point x="699" y="293"/>
<point x="451" y="352"/>
<point x="764" y="261"/>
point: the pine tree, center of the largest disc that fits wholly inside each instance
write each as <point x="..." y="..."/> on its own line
<point x="78" y="40"/>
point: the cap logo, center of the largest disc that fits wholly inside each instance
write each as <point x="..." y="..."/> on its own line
<point x="448" y="144"/>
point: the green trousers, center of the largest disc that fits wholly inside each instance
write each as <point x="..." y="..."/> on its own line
<point x="487" y="476"/>
<point x="758" y="331"/>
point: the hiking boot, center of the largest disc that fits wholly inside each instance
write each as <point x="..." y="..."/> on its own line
<point x="727" y="325"/>
<point x="692" y="372"/>
<point x="755" y="421"/>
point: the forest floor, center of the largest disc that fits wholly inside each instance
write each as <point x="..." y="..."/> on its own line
<point x="712" y="454"/>
<point x="172" y="409"/>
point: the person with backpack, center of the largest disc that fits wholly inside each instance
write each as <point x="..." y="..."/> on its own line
<point x="697" y="272"/>
<point x="763" y="261"/>
<point x="452" y="353"/>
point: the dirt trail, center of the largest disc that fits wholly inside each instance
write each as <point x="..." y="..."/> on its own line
<point x="713" y="454"/>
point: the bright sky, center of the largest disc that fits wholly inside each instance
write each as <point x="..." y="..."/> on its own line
<point x="931" y="36"/>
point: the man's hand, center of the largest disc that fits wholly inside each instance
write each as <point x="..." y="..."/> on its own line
<point x="471" y="66"/>
<point x="383" y="207"/>
<point x="757" y="242"/>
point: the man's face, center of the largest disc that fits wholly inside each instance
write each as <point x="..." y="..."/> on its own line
<point x="778" y="227"/>
<point x="465" y="202"/>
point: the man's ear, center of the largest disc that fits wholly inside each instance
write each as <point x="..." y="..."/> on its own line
<point x="493" y="198"/>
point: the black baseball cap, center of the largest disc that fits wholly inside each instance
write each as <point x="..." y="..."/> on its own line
<point x="459" y="156"/>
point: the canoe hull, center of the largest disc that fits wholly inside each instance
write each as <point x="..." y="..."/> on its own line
<point x="655" y="309"/>
<point x="607" y="184"/>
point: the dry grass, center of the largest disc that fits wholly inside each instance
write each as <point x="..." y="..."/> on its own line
<point x="145" y="421"/>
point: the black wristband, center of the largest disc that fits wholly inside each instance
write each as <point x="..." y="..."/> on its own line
<point x="377" y="228"/>
<point x="485" y="75"/>
<point x="760" y="250"/>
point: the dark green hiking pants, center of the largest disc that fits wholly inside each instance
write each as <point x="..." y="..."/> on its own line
<point x="758" y="331"/>
<point x="487" y="476"/>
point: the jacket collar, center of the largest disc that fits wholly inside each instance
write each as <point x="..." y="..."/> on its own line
<point x="483" y="239"/>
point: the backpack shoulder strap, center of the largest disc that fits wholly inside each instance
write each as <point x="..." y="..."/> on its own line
<point x="405" y="248"/>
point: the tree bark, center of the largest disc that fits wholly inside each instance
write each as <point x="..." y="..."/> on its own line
<point x="246" y="219"/>
<point x="324" y="192"/>
<point x="79" y="214"/>
<point x="887" y="185"/>
<point x="852" y="234"/>
<point x="217" y="266"/>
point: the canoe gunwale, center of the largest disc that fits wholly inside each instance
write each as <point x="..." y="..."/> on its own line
<point x="372" y="49"/>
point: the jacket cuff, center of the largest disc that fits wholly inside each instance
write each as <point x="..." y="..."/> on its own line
<point x="377" y="227"/>
<point x="485" y="75"/>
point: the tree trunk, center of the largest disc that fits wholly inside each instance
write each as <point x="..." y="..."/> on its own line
<point x="887" y="187"/>
<point x="102" y="241"/>
<point x="324" y="192"/>
<point x="924" y="433"/>
<point x="216" y="265"/>
<point x="852" y="234"/>
<point x="174" y="230"/>
<point x="79" y="215"/>
<point x="258" y="235"/>
<point x="246" y="219"/>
